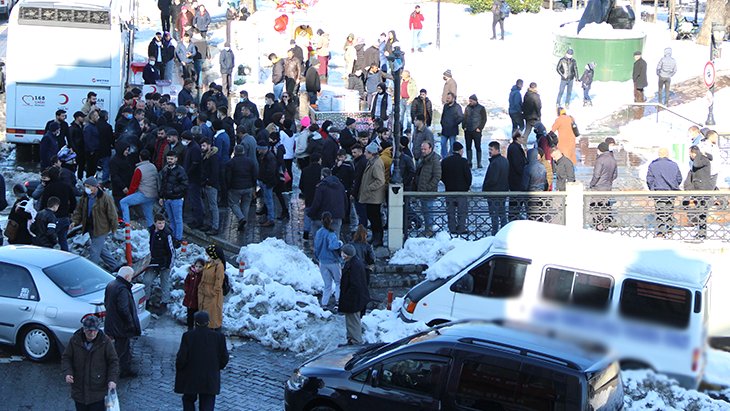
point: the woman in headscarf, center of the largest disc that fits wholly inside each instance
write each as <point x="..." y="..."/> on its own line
<point x="210" y="290"/>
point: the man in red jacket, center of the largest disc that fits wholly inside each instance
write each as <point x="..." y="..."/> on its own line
<point x="415" y="24"/>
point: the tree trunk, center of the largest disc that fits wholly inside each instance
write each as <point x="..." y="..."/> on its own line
<point x="715" y="12"/>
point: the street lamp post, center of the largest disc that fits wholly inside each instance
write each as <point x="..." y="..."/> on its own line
<point x="438" y="24"/>
<point x="395" y="61"/>
<point x="717" y="35"/>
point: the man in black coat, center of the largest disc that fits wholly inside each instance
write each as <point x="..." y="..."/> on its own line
<point x="272" y="106"/>
<point x="531" y="108"/>
<point x="67" y="204"/>
<point x="106" y="142"/>
<point x="329" y="196"/>
<point x="122" y="322"/>
<point x="330" y="147"/>
<point x="173" y="183"/>
<point x="456" y="175"/>
<point x="244" y="101"/>
<point x="307" y="185"/>
<point x="76" y="140"/>
<point x="517" y="159"/>
<point x="311" y="80"/>
<point x="165" y="6"/>
<point x="268" y="178"/>
<point x="640" y="83"/>
<point x="241" y="174"/>
<point x="61" y="121"/>
<point x="354" y="294"/>
<point x="699" y="178"/>
<point x="345" y="172"/>
<point x="496" y="180"/>
<point x="200" y="359"/>
<point x="475" y="118"/>
<point x="347" y="135"/>
<point x="121" y="170"/>
<point x="209" y="180"/>
<point x="192" y="158"/>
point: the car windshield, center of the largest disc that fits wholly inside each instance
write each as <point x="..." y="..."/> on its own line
<point x="376" y="350"/>
<point x="78" y="276"/>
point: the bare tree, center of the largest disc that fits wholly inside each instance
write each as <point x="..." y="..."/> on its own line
<point x="716" y="11"/>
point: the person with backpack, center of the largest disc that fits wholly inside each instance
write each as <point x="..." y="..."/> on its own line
<point x="162" y="256"/>
<point x="500" y="11"/>
<point x="210" y="289"/>
<point x="44" y="226"/>
<point x="17" y="229"/>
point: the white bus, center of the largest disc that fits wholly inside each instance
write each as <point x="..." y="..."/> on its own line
<point x="57" y="52"/>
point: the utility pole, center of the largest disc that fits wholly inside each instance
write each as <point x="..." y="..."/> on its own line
<point x="438" y="24"/>
<point x="395" y="61"/>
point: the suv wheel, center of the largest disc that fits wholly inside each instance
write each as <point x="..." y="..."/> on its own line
<point x="38" y="343"/>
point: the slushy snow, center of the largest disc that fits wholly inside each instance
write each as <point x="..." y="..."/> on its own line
<point x="386" y="326"/>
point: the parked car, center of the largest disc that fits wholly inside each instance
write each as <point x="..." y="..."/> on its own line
<point x="44" y="295"/>
<point x="645" y="299"/>
<point x="472" y="365"/>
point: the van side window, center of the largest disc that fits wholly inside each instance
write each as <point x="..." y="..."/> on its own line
<point x="656" y="303"/>
<point x="487" y="386"/>
<point x="575" y="288"/>
<point x="421" y="376"/>
<point x="497" y="278"/>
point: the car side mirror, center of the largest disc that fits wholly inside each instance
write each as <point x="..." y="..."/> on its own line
<point x="374" y="378"/>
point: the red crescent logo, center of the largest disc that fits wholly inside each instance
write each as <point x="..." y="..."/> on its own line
<point x="154" y="89"/>
<point x="65" y="99"/>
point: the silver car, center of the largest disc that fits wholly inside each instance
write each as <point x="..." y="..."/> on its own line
<point x="45" y="293"/>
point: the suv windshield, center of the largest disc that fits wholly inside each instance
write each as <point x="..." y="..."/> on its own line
<point x="78" y="276"/>
<point x="376" y="350"/>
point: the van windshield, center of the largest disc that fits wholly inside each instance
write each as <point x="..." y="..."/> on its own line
<point x="376" y="350"/>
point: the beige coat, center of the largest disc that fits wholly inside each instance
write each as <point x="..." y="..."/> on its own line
<point x="449" y="87"/>
<point x="373" y="187"/>
<point x="210" y="292"/>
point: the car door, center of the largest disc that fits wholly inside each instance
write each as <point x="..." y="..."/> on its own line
<point x="487" y="290"/>
<point x="411" y="382"/>
<point x="18" y="300"/>
<point x="482" y="381"/>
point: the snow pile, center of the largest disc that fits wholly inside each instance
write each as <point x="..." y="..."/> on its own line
<point x="80" y="244"/>
<point x="385" y="325"/>
<point x="424" y="250"/>
<point x="273" y="301"/>
<point x="462" y="254"/>
<point x="283" y="263"/>
<point x="645" y="390"/>
<point x="717" y="370"/>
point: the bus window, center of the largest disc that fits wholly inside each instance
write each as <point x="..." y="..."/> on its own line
<point x="578" y="289"/>
<point x="656" y="303"/>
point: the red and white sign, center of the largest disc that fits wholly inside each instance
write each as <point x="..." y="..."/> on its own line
<point x="709" y="74"/>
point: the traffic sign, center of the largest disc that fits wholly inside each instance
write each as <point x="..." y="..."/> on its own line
<point x="709" y="74"/>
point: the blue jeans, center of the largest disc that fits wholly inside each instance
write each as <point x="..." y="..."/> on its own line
<point x="563" y="85"/>
<point x="426" y="206"/>
<point x="104" y="169"/>
<point x="134" y="199"/>
<point x="416" y="39"/>
<point x="211" y="203"/>
<point x="195" y="198"/>
<point x="307" y="221"/>
<point x="447" y="143"/>
<point x="268" y="192"/>
<point x="198" y="64"/>
<point x="174" y="211"/>
<point x="279" y="90"/>
<point x="586" y="95"/>
<point x="98" y="252"/>
<point x="405" y="114"/>
<point x="62" y="232"/>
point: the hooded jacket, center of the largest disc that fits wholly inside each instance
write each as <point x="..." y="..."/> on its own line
<point x="667" y="66"/>
<point x="210" y="168"/>
<point x="330" y="195"/>
<point x="534" y="177"/>
<point x="354" y="294"/>
<point x="515" y="100"/>
<point x="567" y="68"/>
<point x="121" y="170"/>
<point x="327" y="247"/>
<point x="699" y="177"/>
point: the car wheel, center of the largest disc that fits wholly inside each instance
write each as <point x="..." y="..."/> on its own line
<point x="38" y="343"/>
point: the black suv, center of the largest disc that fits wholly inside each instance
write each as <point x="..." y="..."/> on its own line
<point x="470" y="365"/>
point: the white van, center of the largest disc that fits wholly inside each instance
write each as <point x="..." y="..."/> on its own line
<point x="59" y="51"/>
<point x="646" y="300"/>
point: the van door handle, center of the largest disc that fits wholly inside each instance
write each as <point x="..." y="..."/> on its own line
<point x="26" y="308"/>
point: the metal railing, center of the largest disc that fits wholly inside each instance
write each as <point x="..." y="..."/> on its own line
<point x="676" y="215"/>
<point x="474" y="215"/>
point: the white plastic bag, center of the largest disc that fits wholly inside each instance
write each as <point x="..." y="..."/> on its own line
<point x="111" y="400"/>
